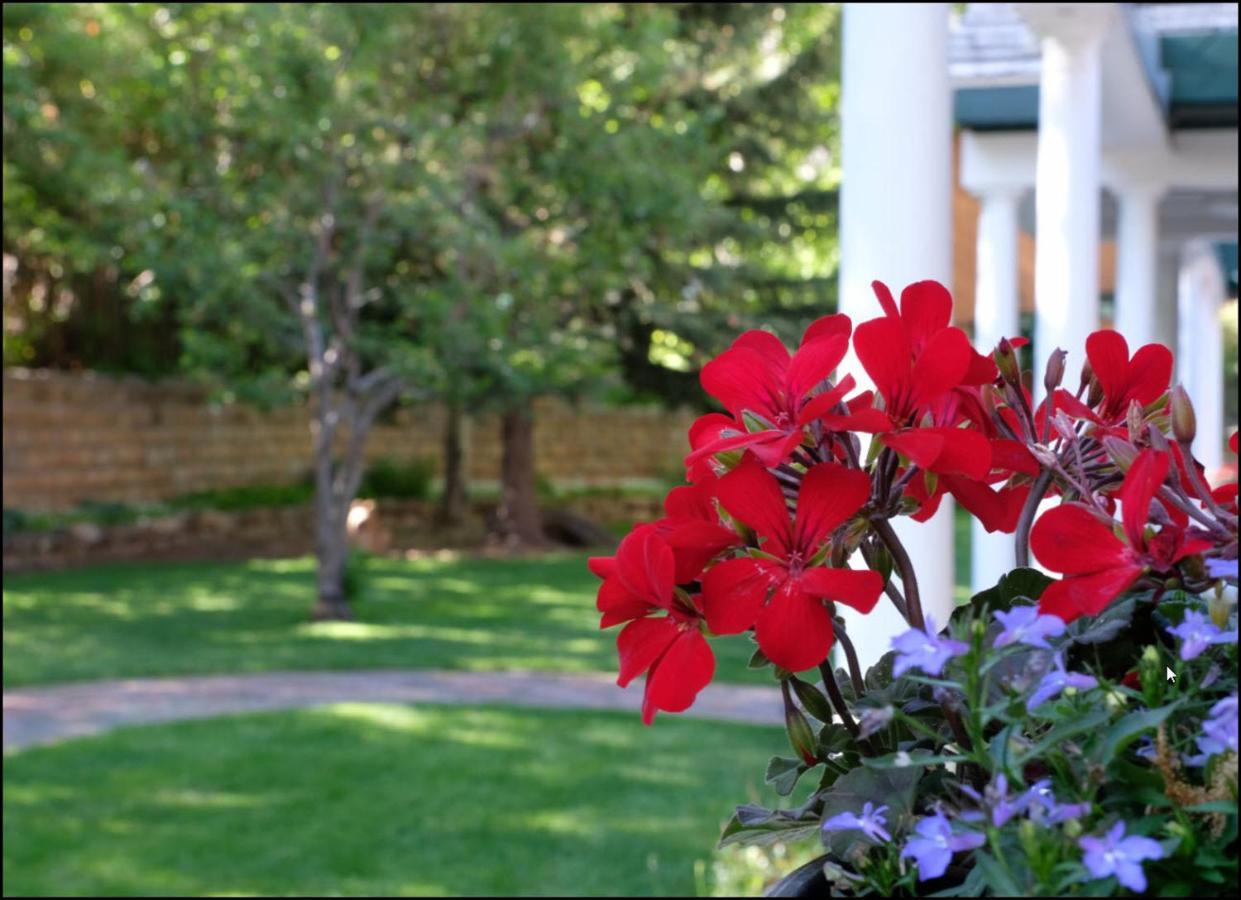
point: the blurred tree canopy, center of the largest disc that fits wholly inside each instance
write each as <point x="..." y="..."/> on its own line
<point x="479" y="203"/>
<point x="581" y="186"/>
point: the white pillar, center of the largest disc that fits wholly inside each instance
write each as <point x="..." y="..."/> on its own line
<point x="896" y="222"/>
<point x="1066" y="200"/>
<point x="996" y="315"/>
<point x="1201" y="291"/>
<point x="1137" y="261"/>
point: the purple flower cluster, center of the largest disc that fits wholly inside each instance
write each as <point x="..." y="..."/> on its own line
<point x="1057" y="680"/>
<point x="871" y="822"/>
<point x="934" y="843"/>
<point x="1024" y="625"/>
<point x="1197" y="632"/>
<point x="925" y="650"/>
<point x="1038" y="801"/>
<point x="1115" y="854"/>
<point x="1219" y="732"/>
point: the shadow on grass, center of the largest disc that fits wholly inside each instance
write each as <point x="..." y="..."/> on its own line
<point x="367" y="799"/>
<point x="176" y="619"/>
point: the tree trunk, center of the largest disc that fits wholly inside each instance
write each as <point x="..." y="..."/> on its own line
<point x="331" y="537"/>
<point x="453" y="502"/>
<point x="518" y="515"/>
<point x="332" y="549"/>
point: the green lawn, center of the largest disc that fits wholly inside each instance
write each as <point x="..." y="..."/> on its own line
<point x="170" y="619"/>
<point x="383" y="799"/>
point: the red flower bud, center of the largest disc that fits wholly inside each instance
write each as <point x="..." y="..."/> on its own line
<point x="1006" y="361"/>
<point x="1184" y="424"/>
<point x="1122" y="452"/>
<point x="1055" y="370"/>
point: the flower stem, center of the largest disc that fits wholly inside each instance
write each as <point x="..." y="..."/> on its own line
<point x="909" y="580"/>
<point x="1022" y="537"/>
<point x="855" y="670"/>
<point x="837" y="698"/>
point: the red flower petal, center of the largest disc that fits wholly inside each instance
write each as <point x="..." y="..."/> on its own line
<point x="640" y="643"/>
<point x="858" y="588"/>
<point x="694" y="543"/>
<point x="733" y="593"/>
<point x="1150" y="370"/>
<point x="1010" y="456"/>
<point x="813" y="363"/>
<point x="741" y="378"/>
<point x="829" y="495"/>
<point x="1070" y="540"/>
<point x="884" y="352"/>
<point x="603" y="566"/>
<point x="942" y="365"/>
<point x="926" y="308"/>
<point x="886" y="300"/>
<point x="1108" y="352"/>
<point x="869" y="421"/>
<point x="1142" y="481"/>
<point x="794" y="631"/>
<point x="828" y="326"/>
<point x="997" y="510"/>
<point x="644" y="565"/>
<point x="751" y="495"/>
<point x="618" y="604"/>
<point x="1086" y="594"/>
<point x="677" y="677"/>
<point x="922" y="445"/>
<point x="822" y="403"/>
<point x="766" y="345"/>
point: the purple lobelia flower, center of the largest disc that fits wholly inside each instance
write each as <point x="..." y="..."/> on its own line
<point x="1115" y="854"/>
<point x="1219" y="732"/>
<point x="1043" y="807"/>
<point x="1197" y="632"/>
<point x="925" y="650"/>
<point x="1024" y="625"/>
<point x="934" y="843"/>
<point x="997" y="799"/>
<point x="871" y="822"/>
<point x="1222" y="568"/>
<point x="1056" y="681"/>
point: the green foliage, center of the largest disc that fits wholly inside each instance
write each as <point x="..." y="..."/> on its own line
<point x="971" y="744"/>
<point x="246" y="496"/>
<point x="408" y="479"/>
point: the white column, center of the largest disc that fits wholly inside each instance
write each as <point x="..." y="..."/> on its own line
<point x="1201" y="292"/>
<point x="896" y="222"/>
<point x="1137" y="262"/>
<point x="1066" y="262"/>
<point x="996" y="315"/>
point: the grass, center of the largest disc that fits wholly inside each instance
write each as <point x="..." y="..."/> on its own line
<point x="176" y="619"/>
<point x="383" y="800"/>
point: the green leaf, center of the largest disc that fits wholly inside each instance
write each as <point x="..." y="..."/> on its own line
<point x="1000" y="882"/>
<point x="1018" y="586"/>
<point x="1129" y="728"/>
<point x="754" y="825"/>
<point x="902" y="759"/>
<point x="783" y="772"/>
<point x="1063" y="732"/>
<point x="812" y="699"/>
<point x="895" y="787"/>
<point x="758" y="660"/>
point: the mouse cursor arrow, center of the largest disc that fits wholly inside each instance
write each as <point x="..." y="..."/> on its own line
<point x="1171" y="674"/>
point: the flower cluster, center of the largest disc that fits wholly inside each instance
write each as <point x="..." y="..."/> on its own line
<point x="784" y="490"/>
<point x="1033" y="744"/>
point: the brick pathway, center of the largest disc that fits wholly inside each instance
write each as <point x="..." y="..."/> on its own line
<point x="45" y="715"/>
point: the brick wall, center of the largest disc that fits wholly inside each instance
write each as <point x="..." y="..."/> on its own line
<point x="71" y="437"/>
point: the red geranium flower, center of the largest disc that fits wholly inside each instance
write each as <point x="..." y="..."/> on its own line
<point x="692" y="527"/>
<point x="761" y="384"/>
<point x="1100" y="566"/>
<point x="1123" y="380"/>
<point x="780" y="591"/>
<point x="917" y="360"/>
<point x="638" y="584"/>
